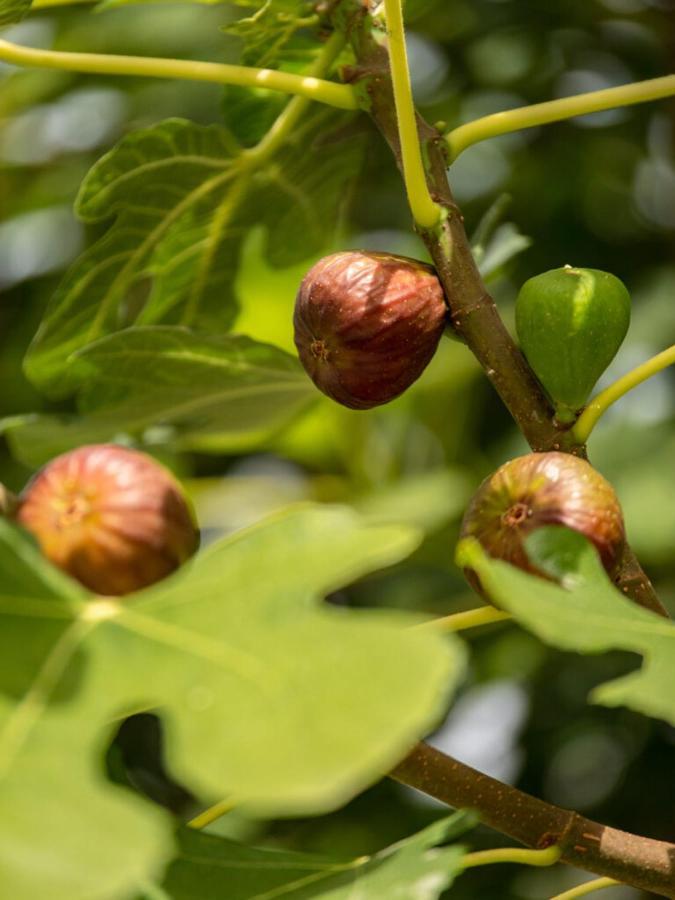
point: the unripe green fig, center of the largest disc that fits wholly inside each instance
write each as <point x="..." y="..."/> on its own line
<point x="367" y="324"/>
<point x="113" y="518"/>
<point x="570" y="324"/>
<point x="545" y="489"/>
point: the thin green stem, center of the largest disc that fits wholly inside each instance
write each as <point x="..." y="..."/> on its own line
<point x="470" y="618"/>
<point x="212" y="813"/>
<point x="556" y="110"/>
<point x="286" y="122"/>
<point x="588" y="887"/>
<point x="310" y="87"/>
<point x="547" y="857"/>
<point x="588" y="418"/>
<point x="426" y="212"/>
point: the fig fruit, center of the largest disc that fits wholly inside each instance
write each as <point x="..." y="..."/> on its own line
<point x="367" y="324"/>
<point x="544" y="489"/>
<point x="570" y="324"/>
<point x="113" y="518"/>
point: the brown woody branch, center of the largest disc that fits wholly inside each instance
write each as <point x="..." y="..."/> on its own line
<point x="473" y="313"/>
<point x="643" y="862"/>
<point x="640" y="861"/>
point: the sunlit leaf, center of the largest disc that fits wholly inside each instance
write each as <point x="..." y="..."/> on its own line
<point x="182" y="204"/>
<point x="265" y="693"/>
<point x="209" y="866"/>
<point x="209" y="393"/>
<point x="585" y="613"/>
<point x="175" y="195"/>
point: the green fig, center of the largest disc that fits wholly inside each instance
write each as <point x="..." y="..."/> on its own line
<point x="570" y="324"/>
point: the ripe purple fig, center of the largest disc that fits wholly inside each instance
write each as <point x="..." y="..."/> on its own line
<point x="113" y="518"/>
<point x="367" y="325"/>
<point x="544" y="489"/>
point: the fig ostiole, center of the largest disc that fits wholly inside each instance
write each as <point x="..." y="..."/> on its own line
<point x="112" y="518"/>
<point x="570" y="323"/>
<point x="367" y="324"/>
<point x="544" y="489"/>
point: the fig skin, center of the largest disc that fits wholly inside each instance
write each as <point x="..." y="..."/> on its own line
<point x="570" y="323"/>
<point x="367" y="324"/>
<point x="113" y="518"/>
<point x="544" y="489"/>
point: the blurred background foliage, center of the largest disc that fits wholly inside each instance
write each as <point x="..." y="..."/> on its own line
<point x="597" y="191"/>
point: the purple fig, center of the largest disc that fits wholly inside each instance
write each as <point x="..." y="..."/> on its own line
<point x="544" y="489"/>
<point x="367" y="325"/>
<point x="113" y="518"/>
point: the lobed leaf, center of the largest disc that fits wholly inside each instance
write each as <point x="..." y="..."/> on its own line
<point x="266" y="694"/>
<point x="584" y="613"/>
<point x="206" y="393"/>
<point x="175" y="194"/>
<point x="182" y="203"/>
<point x="209" y="866"/>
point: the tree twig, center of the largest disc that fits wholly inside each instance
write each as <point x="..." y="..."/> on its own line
<point x="473" y="312"/>
<point x="643" y="862"/>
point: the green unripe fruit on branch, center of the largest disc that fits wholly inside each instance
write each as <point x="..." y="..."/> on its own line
<point x="367" y="325"/>
<point x="545" y="489"/>
<point x="570" y="324"/>
<point x="113" y="518"/>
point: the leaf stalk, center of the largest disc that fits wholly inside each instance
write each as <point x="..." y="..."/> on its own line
<point x="600" y="404"/>
<point x="556" y="111"/>
<point x="426" y="212"/>
<point x="342" y="96"/>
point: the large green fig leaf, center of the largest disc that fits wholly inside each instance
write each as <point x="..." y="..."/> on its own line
<point x="183" y="196"/>
<point x="209" y="866"/>
<point x="585" y="613"/>
<point x="267" y="695"/>
<point x="218" y="393"/>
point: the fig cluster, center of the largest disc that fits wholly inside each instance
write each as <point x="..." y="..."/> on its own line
<point x="112" y="518"/>
<point x="367" y="325"/>
<point x="544" y="489"/>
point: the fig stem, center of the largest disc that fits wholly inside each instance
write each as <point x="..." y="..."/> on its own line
<point x="588" y="887"/>
<point x="342" y="96"/>
<point x="556" y="111"/>
<point x="425" y="211"/>
<point x="547" y="857"/>
<point x="598" y="406"/>
<point x="470" y="618"/>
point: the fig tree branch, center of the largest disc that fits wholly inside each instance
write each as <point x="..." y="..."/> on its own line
<point x="556" y="111"/>
<point x="341" y="96"/>
<point x="643" y="862"/>
<point x="608" y="852"/>
<point x="472" y="311"/>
